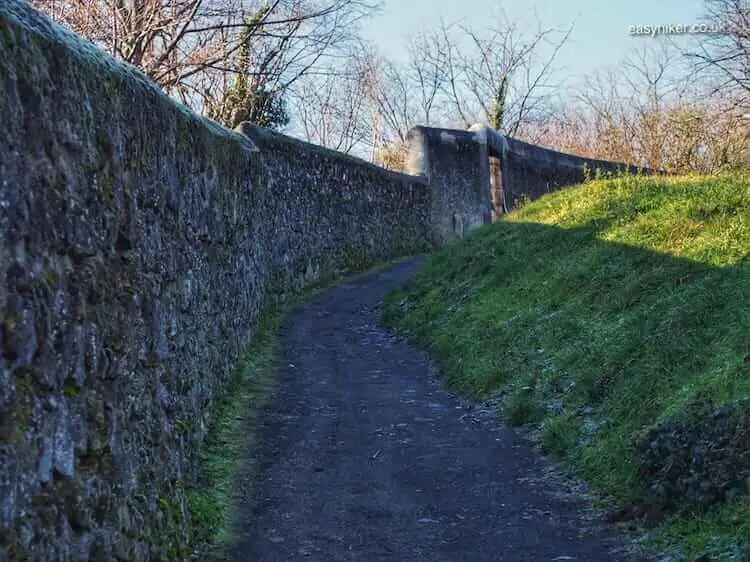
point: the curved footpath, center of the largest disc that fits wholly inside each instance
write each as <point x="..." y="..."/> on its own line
<point x="363" y="457"/>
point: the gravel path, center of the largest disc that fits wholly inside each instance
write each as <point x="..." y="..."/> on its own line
<point x="363" y="457"/>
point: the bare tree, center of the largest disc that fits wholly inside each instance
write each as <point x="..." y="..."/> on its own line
<point x="648" y="112"/>
<point x="455" y="75"/>
<point x="426" y="71"/>
<point x="332" y="110"/>
<point x="656" y="86"/>
<point x="725" y="54"/>
<point x="401" y="96"/>
<point x="195" y="49"/>
<point x="504" y="77"/>
<point x="392" y="95"/>
<point x="610" y="131"/>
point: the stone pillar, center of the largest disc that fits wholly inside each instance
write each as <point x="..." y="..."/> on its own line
<point x="456" y="166"/>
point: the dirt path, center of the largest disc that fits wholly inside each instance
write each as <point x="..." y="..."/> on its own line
<point x="363" y="457"/>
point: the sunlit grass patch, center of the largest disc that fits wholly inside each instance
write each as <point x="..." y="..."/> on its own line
<point x="621" y="303"/>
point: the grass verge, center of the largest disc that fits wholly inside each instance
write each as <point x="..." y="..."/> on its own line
<point x="228" y="442"/>
<point x="602" y="311"/>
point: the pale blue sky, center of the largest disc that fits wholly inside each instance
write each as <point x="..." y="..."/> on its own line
<point x="600" y="37"/>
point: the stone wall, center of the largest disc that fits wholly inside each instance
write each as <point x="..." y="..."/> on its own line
<point x="139" y="245"/>
<point x="456" y="167"/>
<point x="344" y="213"/>
<point x="530" y="171"/>
<point x="477" y="175"/>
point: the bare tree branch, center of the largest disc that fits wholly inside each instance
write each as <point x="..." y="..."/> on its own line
<point x="183" y="44"/>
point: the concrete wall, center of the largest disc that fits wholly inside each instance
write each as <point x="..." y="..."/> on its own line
<point x="139" y="245"/>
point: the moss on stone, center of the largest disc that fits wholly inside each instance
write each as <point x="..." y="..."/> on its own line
<point x="71" y="391"/>
<point x="182" y="426"/>
<point x="354" y="259"/>
<point x="23" y="380"/>
<point x="15" y="422"/>
<point x="107" y="183"/>
<point x="18" y="424"/>
<point x="52" y="278"/>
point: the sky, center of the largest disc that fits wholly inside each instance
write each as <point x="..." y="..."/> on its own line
<point x="600" y="37"/>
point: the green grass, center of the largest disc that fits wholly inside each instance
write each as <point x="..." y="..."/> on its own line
<point x="720" y="534"/>
<point x="625" y="298"/>
<point x="228" y="442"/>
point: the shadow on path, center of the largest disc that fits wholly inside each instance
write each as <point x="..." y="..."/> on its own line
<point x="363" y="457"/>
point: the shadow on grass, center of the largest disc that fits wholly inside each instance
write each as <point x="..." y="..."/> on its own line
<point x="595" y="342"/>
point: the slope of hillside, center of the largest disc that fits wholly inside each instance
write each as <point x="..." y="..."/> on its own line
<point x="613" y="318"/>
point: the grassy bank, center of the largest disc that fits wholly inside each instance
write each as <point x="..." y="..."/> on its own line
<point x="605" y="313"/>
